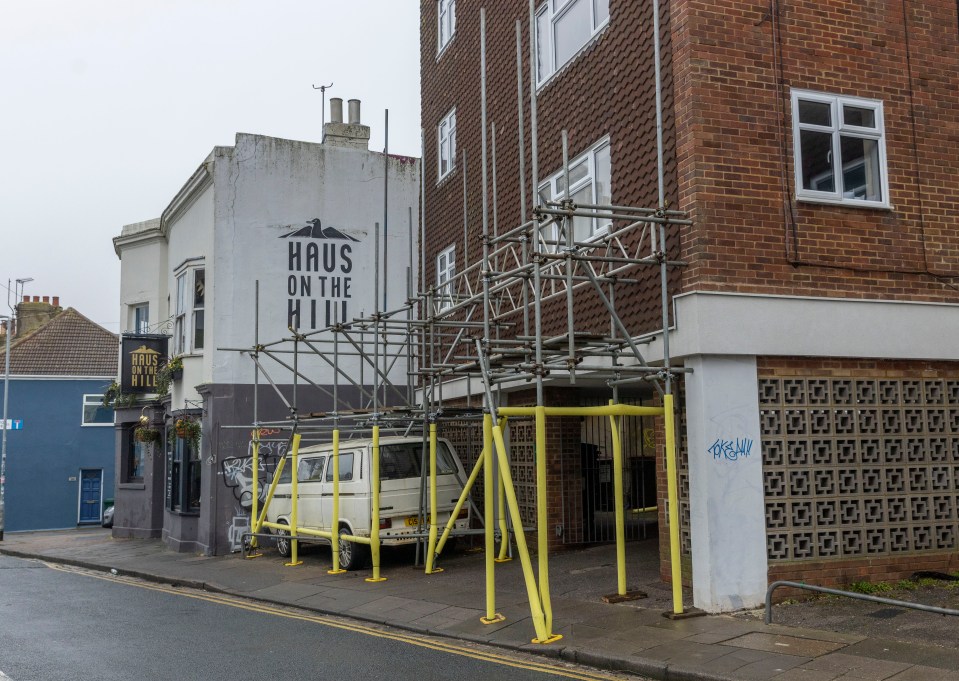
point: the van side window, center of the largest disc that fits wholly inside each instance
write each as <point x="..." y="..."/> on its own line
<point x="346" y="467"/>
<point x="311" y="470"/>
<point x="403" y="460"/>
<point x="285" y="476"/>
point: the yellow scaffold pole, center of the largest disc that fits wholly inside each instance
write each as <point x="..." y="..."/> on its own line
<point x="673" y="491"/>
<point x="294" y="528"/>
<point x="464" y="496"/>
<point x="431" y="547"/>
<point x="260" y="523"/>
<point x="542" y="518"/>
<point x="335" y="520"/>
<point x="375" y="509"/>
<point x="607" y="410"/>
<point x="255" y="512"/>
<point x="490" y="544"/>
<point x="618" y="502"/>
<point x="536" y="609"/>
<point x="501" y="506"/>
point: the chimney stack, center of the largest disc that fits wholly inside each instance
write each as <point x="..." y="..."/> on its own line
<point x="32" y="314"/>
<point x="352" y="135"/>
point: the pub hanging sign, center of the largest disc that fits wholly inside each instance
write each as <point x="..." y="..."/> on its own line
<point x="140" y="358"/>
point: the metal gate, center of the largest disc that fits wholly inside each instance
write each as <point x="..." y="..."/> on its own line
<point x="596" y="471"/>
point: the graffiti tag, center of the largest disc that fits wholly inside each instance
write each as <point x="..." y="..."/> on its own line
<point x="731" y="450"/>
<point x="239" y="526"/>
<point x="238" y="471"/>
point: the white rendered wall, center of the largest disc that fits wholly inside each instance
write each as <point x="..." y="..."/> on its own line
<point x="143" y="278"/>
<point x="727" y="516"/>
<point x="266" y="190"/>
<point x="190" y="238"/>
<point x="715" y="323"/>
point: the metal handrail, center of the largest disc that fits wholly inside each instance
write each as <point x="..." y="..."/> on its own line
<point x="850" y="594"/>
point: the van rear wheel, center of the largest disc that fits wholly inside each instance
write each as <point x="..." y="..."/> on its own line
<point x="353" y="556"/>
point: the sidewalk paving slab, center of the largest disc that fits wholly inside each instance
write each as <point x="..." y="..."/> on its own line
<point x="632" y="636"/>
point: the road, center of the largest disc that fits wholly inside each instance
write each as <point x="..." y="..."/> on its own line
<point x="59" y="623"/>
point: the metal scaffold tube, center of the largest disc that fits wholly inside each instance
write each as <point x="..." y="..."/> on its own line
<point x="518" y="314"/>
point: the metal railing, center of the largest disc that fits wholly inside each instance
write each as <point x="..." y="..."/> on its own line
<point x="851" y="594"/>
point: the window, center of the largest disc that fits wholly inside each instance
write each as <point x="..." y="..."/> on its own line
<point x="285" y="476"/>
<point x="183" y="475"/>
<point x="141" y="318"/>
<point x="447" y="144"/>
<point x="840" y="149"/>
<point x="94" y="413"/>
<point x="199" y="295"/>
<point x="403" y="460"/>
<point x="179" y="316"/>
<point x="188" y="311"/>
<point x="445" y="271"/>
<point x="589" y="181"/>
<point x="310" y="470"/>
<point x="346" y="467"/>
<point x="563" y="28"/>
<point x="446" y="14"/>
<point x="135" y="459"/>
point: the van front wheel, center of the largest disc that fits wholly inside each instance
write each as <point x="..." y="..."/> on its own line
<point x="353" y="556"/>
<point x="282" y="542"/>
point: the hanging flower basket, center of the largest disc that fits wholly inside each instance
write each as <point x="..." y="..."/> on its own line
<point x="169" y="371"/>
<point x="187" y="428"/>
<point x="146" y="434"/>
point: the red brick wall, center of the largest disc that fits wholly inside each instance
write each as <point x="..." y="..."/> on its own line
<point x="607" y="90"/>
<point x="735" y="63"/>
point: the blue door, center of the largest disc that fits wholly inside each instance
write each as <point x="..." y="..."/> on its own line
<point x="90" y="501"/>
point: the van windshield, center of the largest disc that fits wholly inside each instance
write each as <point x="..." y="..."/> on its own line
<point x="403" y="460"/>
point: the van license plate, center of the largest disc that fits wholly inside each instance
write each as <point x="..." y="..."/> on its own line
<point x="412" y="521"/>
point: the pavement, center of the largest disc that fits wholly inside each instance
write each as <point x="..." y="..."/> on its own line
<point x="631" y="636"/>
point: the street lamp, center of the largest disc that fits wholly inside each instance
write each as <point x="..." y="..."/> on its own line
<point x="6" y="399"/>
<point x="18" y="290"/>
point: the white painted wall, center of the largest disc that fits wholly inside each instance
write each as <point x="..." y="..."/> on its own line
<point x="708" y="323"/>
<point x="142" y="272"/>
<point x="727" y="513"/>
<point x="268" y="188"/>
<point x="190" y="242"/>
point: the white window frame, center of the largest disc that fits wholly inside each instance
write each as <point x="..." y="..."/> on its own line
<point x="554" y="184"/>
<point x="550" y="14"/>
<point x="445" y="273"/>
<point x="186" y="309"/>
<point x="198" y="310"/>
<point x="445" y="24"/>
<point x="141" y="322"/>
<point x="91" y="400"/>
<point x="446" y="144"/>
<point x="179" y="312"/>
<point x="838" y="129"/>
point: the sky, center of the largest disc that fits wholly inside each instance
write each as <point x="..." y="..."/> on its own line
<point x="108" y="106"/>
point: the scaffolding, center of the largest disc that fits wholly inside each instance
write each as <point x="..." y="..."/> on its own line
<point x="482" y="333"/>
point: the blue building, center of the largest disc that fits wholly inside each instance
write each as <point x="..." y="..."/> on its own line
<point x="60" y="445"/>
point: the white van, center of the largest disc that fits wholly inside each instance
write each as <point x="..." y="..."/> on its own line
<point x="400" y="469"/>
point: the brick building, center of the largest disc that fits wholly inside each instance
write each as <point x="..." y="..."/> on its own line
<point x="813" y="147"/>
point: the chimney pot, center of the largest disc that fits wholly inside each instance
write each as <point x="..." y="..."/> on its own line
<point x="336" y="109"/>
<point x="26" y="299"/>
<point x="36" y="299"/>
<point x="56" y="301"/>
<point x="46" y="299"/>
<point x="354" y="112"/>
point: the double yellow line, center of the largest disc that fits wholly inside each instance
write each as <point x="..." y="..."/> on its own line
<point x="410" y="639"/>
